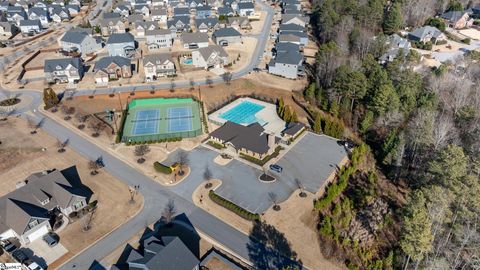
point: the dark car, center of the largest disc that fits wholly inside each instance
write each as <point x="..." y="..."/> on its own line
<point x="276" y="168"/>
<point x="20" y="256"/>
<point x="51" y="239"/>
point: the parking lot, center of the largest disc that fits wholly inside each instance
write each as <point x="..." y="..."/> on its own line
<point x="312" y="160"/>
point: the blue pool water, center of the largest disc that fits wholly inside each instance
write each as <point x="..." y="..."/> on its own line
<point x="244" y="113"/>
<point x="188" y="61"/>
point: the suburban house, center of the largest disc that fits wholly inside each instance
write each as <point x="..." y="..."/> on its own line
<point x="30" y="26"/>
<point x="457" y="19"/>
<point x="295" y="3"/>
<point x="251" y="140"/>
<point x="16" y="14"/>
<point x="121" y="45"/>
<point x="8" y="29"/>
<point x="179" y="24"/>
<point x="159" y="3"/>
<point x="226" y="36"/>
<point x="299" y="38"/>
<point x="123" y="10"/>
<point x="112" y="68"/>
<point x="203" y="12"/>
<point x="396" y="45"/>
<point x="427" y="33"/>
<point x="292" y="10"/>
<point x="207" y="24"/>
<point x="110" y="15"/>
<point x="225" y="11"/>
<point x="292" y="130"/>
<point x="28" y="212"/>
<point x="246" y="8"/>
<point x="141" y="27"/>
<point x="36" y="13"/>
<point x="159" y="38"/>
<point x="181" y="12"/>
<point x="285" y="47"/>
<point x="79" y="41"/>
<point x="192" y="4"/>
<point x="59" y="14"/>
<point x="159" y="14"/>
<point x="287" y="64"/>
<point x="291" y="28"/>
<point x="112" y="26"/>
<point x="295" y="19"/>
<point x="213" y="56"/>
<point x="165" y="252"/>
<point x="142" y="9"/>
<point x="239" y="23"/>
<point x="73" y="10"/>
<point x="158" y="65"/>
<point x="63" y="70"/>
<point x="194" y="40"/>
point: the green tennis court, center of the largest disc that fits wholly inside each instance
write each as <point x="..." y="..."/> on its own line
<point x="157" y="119"/>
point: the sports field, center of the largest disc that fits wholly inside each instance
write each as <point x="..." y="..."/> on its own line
<point x="157" y="119"/>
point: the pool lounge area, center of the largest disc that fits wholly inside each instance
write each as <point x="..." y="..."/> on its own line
<point x="245" y="111"/>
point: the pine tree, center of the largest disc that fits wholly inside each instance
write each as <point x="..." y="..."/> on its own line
<point x="287" y="114"/>
<point x="281" y="107"/>
<point x="294" y="117"/>
<point x="393" y="20"/>
<point x="317" y="125"/>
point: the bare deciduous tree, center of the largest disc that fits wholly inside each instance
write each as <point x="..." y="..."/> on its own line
<point x="183" y="160"/>
<point x="93" y="167"/>
<point x="169" y="212"/>
<point x="273" y="197"/>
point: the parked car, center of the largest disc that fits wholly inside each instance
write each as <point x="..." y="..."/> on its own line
<point x="9" y="246"/>
<point x="51" y="239"/>
<point x="276" y="168"/>
<point x="34" y="266"/>
<point x="20" y="256"/>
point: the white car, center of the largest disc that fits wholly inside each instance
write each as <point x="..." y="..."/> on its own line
<point x="34" y="266"/>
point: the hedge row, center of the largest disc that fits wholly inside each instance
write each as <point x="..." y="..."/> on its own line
<point x="159" y="167"/>
<point x="175" y="139"/>
<point x="335" y="189"/>
<point x="233" y="207"/>
<point x="262" y="162"/>
<point x="215" y="145"/>
<point x="119" y="136"/>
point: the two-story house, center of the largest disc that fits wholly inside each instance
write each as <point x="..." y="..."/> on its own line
<point x="159" y="14"/>
<point x="213" y="56"/>
<point x="159" y="38"/>
<point x="37" y="13"/>
<point x="457" y="19"/>
<point x="226" y="36"/>
<point x="8" y="29"/>
<point x="112" y="26"/>
<point x="179" y="24"/>
<point x="158" y="65"/>
<point x="246" y="9"/>
<point x="59" y="14"/>
<point x="25" y="213"/>
<point x="112" y="68"/>
<point x="203" y="12"/>
<point x="121" y="45"/>
<point x="30" y="26"/>
<point x="194" y="40"/>
<point x="79" y="41"/>
<point x="287" y="64"/>
<point x="207" y="24"/>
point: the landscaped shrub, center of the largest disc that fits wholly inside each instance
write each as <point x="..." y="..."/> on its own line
<point x="159" y="167"/>
<point x="262" y="162"/>
<point x="233" y="207"/>
<point x="466" y="41"/>
<point x="215" y="145"/>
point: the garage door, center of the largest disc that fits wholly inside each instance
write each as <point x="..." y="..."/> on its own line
<point x="38" y="233"/>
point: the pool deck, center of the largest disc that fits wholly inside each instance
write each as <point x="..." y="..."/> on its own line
<point x="268" y="114"/>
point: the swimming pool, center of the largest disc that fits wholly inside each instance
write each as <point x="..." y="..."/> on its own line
<point x="188" y="61"/>
<point x="244" y="113"/>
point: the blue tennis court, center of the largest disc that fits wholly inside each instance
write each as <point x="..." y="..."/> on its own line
<point x="179" y="119"/>
<point x="146" y="122"/>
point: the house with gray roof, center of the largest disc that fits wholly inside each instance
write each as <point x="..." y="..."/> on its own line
<point x="299" y="38"/>
<point x="225" y="11"/>
<point x="112" y="26"/>
<point x="207" y="24"/>
<point x="245" y="9"/>
<point x="204" y="11"/>
<point x="251" y="140"/>
<point x="287" y="64"/>
<point x="26" y="212"/>
<point x="16" y="14"/>
<point x="64" y="70"/>
<point x="73" y="10"/>
<point x="112" y="68"/>
<point x="159" y="14"/>
<point x="213" y="56"/>
<point x="141" y="27"/>
<point x="181" y="12"/>
<point x="37" y="13"/>
<point x="79" y="41"/>
<point x="121" y="45"/>
<point x="291" y="27"/>
<point x="110" y="15"/>
<point x="457" y="19"/>
<point x="30" y="26"/>
<point x="396" y="44"/>
<point x="292" y="10"/>
<point x="239" y="23"/>
<point x="427" y="33"/>
<point x="59" y="14"/>
<point x="160" y="252"/>
<point x="194" y="40"/>
<point x="226" y="36"/>
<point x="301" y="20"/>
<point x="179" y="24"/>
<point x="157" y="66"/>
<point x="285" y="47"/>
<point x="159" y="38"/>
<point x="123" y="10"/>
<point x="292" y="130"/>
<point x="8" y="29"/>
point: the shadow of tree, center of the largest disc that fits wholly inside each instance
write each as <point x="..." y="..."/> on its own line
<point x="269" y="249"/>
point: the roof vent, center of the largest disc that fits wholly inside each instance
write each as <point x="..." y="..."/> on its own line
<point x="20" y="184"/>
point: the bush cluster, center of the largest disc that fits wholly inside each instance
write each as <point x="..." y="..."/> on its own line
<point x="262" y="162"/>
<point x="329" y="126"/>
<point x="174" y="139"/>
<point x="233" y="207"/>
<point x="215" y="145"/>
<point x="421" y="45"/>
<point x="335" y="189"/>
<point x="159" y="167"/>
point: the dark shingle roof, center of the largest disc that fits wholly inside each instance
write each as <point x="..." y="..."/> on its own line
<point x="246" y="5"/>
<point x="224" y="10"/>
<point x="453" y="16"/>
<point x="107" y="60"/>
<point x="293" y="128"/>
<point x="287" y="47"/>
<point x="29" y="22"/>
<point x="292" y="58"/>
<point x="120" y="38"/>
<point x="74" y="37"/>
<point x="52" y="64"/>
<point x="197" y="37"/>
<point x="226" y="32"/>
<point x="251" y="137"/>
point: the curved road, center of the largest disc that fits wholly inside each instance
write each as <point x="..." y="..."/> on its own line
<point x="155" y="196"/>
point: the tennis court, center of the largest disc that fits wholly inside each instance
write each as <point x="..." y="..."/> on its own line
<point x="146" y="122"/>
<point x="156" y="119"/>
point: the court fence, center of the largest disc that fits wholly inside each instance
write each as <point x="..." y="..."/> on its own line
<point x="153" y="138"/>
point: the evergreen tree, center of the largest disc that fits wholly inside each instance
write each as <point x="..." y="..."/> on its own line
<point x="349" y="83"/>
<point x="287" y="114"/>
<point x="294" y="117"/>
<point x="310" y="91"/>
<point x="393" y="20"/>
<point x="317" y="125"/>
<point x="281" y="107"/>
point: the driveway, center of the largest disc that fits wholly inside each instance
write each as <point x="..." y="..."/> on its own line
<point x="43" y="254"/>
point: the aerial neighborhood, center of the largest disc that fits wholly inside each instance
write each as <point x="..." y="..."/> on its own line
<point x="239" y="134"/>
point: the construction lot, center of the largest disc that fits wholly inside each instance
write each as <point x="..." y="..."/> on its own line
<point x="21" y="154"/>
